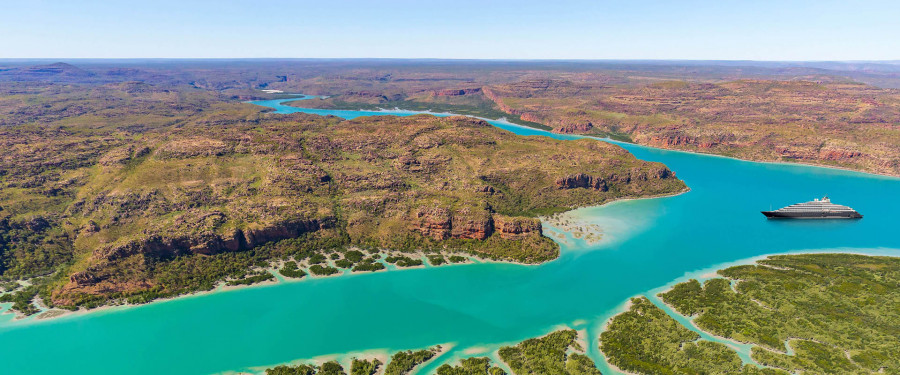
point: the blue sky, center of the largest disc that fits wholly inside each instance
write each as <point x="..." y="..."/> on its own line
<point x="525" y="29"/>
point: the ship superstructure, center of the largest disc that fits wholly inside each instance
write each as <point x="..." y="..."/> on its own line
<point x="816" y="209"/>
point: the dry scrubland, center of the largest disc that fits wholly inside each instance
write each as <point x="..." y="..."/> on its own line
<point x="130" y="192"/>
<point x="842" y="124"/>
<point x="823" y="120"/>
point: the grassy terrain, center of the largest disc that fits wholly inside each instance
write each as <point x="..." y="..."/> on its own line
<point x="133" y="209"/>
<point x="364" y="366"/>
<point x="837" y="312"/>
<point x="475" y="104"/>
<point x="471" y="366"/>
<point x="549" y="355"/>
<point x="556" y="353"/>
<point x="644" y="340"/>
<point x="404" y="362"/>
<point x="827" y="121"/>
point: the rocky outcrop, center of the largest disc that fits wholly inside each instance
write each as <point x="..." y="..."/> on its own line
<point x="789" y="153"/>
<point x="585" y="181"/>
<point x="456" y="92"/>
<point x="839" y="155"/>
<point x="370" y="96"/>
<point x="433" y="222"/>
<point x="681" y="140"/>
<point x="574" y="127"/>
<point x="581" y="180"/>
<point x="471" y="224"/>
<point x="192" y="147"/>
<point x="164" y="246"/>
<point x="485" y="189"/>
<point x="489" y="93"/>
<point x="442" y="224"/>
<point x="516" y="227"/>
<point x="469" y="121"/>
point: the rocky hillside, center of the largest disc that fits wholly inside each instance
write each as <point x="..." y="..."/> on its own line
<point x="829" y="122"/>
<point x="101" y="209"/>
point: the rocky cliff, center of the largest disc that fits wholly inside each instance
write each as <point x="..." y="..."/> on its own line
<point x="165" y="211"/>
<point x="823" y="122"/>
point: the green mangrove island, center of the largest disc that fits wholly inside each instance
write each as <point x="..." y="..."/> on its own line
<point x="556" y="353"/>
<point x="804" y="313"/>
<point x="808" y="313"/>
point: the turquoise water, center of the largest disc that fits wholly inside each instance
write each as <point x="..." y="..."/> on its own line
<point x="647" y="244"/>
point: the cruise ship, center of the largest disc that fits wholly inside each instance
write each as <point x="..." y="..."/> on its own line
<point x="816" y="209"/>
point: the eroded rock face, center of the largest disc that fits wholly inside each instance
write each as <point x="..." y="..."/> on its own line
<point x="581" y="180"/>
<point x="469" y="121"/>
<point x="469" y="224"/>
<point x="579" y="127"/>
<point x="516" y="227"/>
<point x="433" y="222"/>
<point x="678" y="139"/>
<point x="839" y="155"/>
<point x="584" y="181"/>
<point x="442" y="224"/>
<point x="192" y="147"/>
<point x="456" y="92"/>
<point x="161" y="246"/>
<point x="374" y="95"/>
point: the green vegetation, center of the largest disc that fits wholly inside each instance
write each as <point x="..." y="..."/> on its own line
<point x="343" y="263"/>
<point x="290" y="269"/>
<point x="645" y="340"/>
<point x="364" y="366"/>
<point x="327" y="368"/>
<point x="292" y="370"/>
<point x="838" y="312"/>
<point x="132" y="191"/>
<point x="320" y="270"/>
<point x="403" y="261"/>
<point x="472" y="105"/>
<point x="471" y="366"/>
<point x="317" y="259"/>
<point x="21" y="300"/>
<point x="9" y="286"/>
<point x="404" y="362"/>
<point x="851" y="125"/>
<point x="331" y="368"/>
<point x="457" y="259"/>
<point x="354" y="256"/>
<point x="548" y="355"/>
<point x="252" y="279"/>
<point x="580" y="364"/>
<point x="368" y="265"/>
<point x="556" y="353"/>
<point x="436" y="260"/>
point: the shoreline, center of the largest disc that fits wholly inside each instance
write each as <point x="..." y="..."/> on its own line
<point x="222" y="286"/>
<point x="774" y="162"/>
<point x="20" y="320"/>
<point x="711" y="272"/>
<point x="620" y="143"/>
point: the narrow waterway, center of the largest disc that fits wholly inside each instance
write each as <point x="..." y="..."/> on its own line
<point x="646" y="244"/>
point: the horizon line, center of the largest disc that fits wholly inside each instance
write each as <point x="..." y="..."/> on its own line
<point x="892" y="61"/>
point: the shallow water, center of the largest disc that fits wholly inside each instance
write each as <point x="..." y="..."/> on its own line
<point x="646" y="244"/>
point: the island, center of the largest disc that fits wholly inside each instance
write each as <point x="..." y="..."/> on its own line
<point x="556" y="353"/>
<point x="806" y="313"/>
